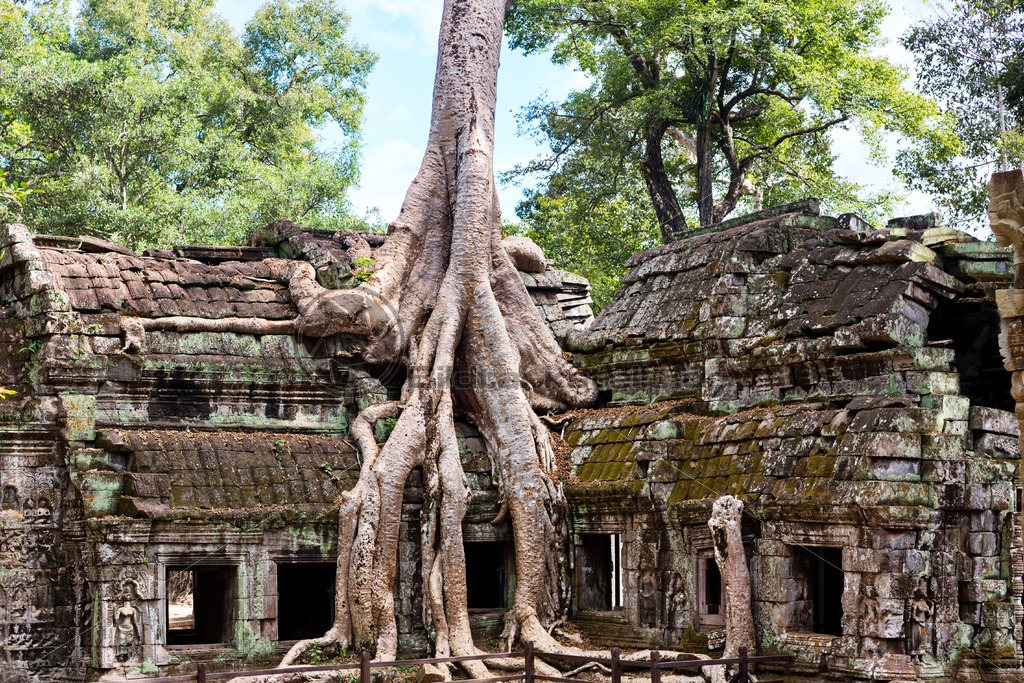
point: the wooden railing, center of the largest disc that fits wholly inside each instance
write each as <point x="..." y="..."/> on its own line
<point x="614" y="663"/>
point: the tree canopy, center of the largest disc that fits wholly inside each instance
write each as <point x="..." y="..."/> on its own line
<point x="152" y="122"/>
<point x="968" y="57"/>
<point x="696" y="109"/>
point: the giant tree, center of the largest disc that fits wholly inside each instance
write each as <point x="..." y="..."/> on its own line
<point x="445" y="300"/>
<point x="152" y="122"/>
<point x="968" y="57"/>
<point x="719" y="99"/>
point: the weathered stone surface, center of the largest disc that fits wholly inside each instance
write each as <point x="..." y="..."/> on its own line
<point x="818" y="384"/>
<point x="814" y="368"/>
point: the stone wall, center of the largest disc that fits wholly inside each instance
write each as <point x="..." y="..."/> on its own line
<point x="136" y="445"/>
<point x="844" y="382"/>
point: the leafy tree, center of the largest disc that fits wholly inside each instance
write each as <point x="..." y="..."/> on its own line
<point x="967" y="57"/>
<point x="713" y="104"/>
<point x="610" y="201"/>
<point x="152" y="122"/>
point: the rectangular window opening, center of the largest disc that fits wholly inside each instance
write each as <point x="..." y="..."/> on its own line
<point x="487" y="575"/>
<point x="305" y="599"/>
<point x="200" y="605"/>
<point x="825" y="586"/>
<point x="711" y="591"/>
<point x="599" y="572"/>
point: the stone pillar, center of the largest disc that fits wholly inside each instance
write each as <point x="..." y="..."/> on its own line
<point x="1006" y="217"/>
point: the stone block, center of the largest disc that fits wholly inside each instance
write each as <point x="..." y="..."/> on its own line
<point x="994" y="421"/>
<point x="881" y="444"/>
<point x="78" y="414"/>
<point x="982" y="521"/>
<point x="985" y="568"/>
<point x="992" y="590"/>
<point x="981" y="543"/>
<point x="997" y="445"/>
<point x="943" y="447"/>
<point x="894" y="469"/>
<point x="918" y="562"/>
<point x="147" y="485"/>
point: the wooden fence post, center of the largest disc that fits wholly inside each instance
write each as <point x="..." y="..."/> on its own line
<point x="528" y="661"/>
<point x="655" y="669"/>
<point x="364" y="667"/>
<point x="616" y="666"/>
<point x="201" y="673"/>
<point x="744" y="676"/>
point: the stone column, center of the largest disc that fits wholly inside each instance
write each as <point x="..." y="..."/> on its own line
<point x="1006" y="217"/>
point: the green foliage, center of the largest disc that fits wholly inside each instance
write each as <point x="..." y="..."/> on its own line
<point x="12" y="197"/>
<point x="326" y="468"/>
<point x="362" y="268"/>
<point x="32" y="348"/>
<point x="968" y="57"/>
<point x="589" y="222"/>
<point x="152" y="123"/>
<point x="765" y="83"/>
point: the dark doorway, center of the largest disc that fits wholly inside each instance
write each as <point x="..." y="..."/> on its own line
<point x="711" y="593"/>
<point x="486" y="575"/>
<point x="712" y="586"/>
<point x="598" y="574"/>
<point x="826" y="587"/>
<point x="305" y="599"/>
<point x="199" y="605"/>
<point x="971" y="328"/>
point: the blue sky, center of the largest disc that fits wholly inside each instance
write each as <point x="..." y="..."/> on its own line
<point x="403" y="33"/>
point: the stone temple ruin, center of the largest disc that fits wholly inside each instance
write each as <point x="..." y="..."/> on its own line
<point x="168" y="491"/>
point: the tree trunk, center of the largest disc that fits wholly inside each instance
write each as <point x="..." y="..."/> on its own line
<point x="705" y="187"/>
<point x="659" y="186"/>
<point x="727" y="536"/>
<point x="446" y="301"/>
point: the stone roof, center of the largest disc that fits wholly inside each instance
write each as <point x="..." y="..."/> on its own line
<point x="726" y="316"/>
<point x="834" y="464"/>
<point x="794" y="274"/>
<point x="149" y="287"/>
<point x="804" y="373"/>
<point x="91" y="276"/>
<point x="181" y="474"/>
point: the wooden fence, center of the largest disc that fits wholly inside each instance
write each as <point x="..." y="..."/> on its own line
<point x="615" y="664"/>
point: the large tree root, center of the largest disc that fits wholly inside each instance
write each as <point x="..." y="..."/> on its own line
<point x="446" y="301"/>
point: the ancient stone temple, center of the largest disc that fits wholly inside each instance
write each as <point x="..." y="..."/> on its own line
<point x="171" y="458"/>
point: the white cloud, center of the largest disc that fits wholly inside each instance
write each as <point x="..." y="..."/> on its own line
<point x="397" y="23"/>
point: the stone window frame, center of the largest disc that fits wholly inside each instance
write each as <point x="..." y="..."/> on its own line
<point x="805" y="551"/>
<point x="704" y="618"/>
<point x="191" y="560"/>
<point x="618" y="559"/>
<point x="271" y="597"/>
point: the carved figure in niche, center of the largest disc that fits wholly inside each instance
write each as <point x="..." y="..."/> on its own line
<point x="10" y="499"/>
<point x="44" y="512"/>
<point x="134" y="336"/>
<point x="920" y="613"/>
<point x="127" y="634"/>
<point x="677" y="605"/>
<point x="869" y="616"/>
